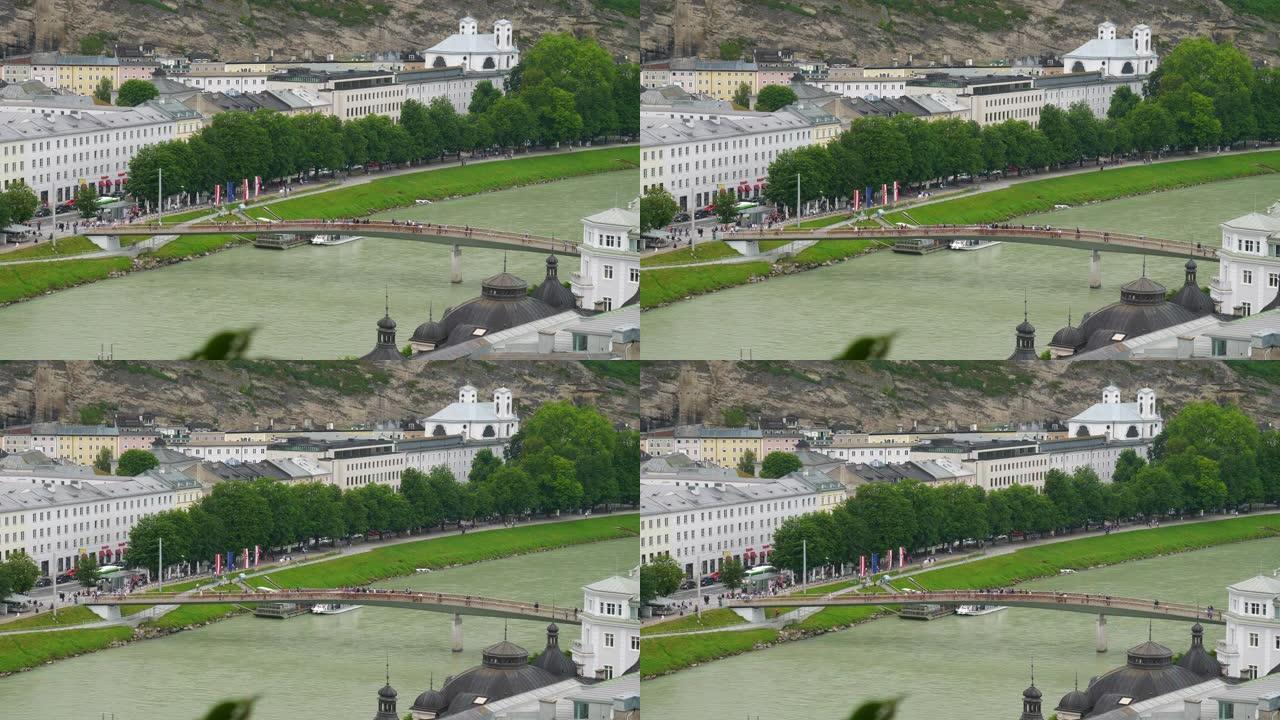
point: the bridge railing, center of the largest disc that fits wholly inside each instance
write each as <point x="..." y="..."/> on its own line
<point x="1091" y="600"/>
<point x="961" y="231"/>
<point x="330" y="226"/>
<point x="352" y="596"/>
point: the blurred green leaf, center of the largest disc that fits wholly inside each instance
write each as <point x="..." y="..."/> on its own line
<point x="876" y="710"/>
<point x="872" y="347"/>
<point x="231" y="345"/>
<point x="231" y="710"/>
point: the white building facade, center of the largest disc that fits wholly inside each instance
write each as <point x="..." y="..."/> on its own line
<point x="1248" y="278"/>
<point x="701" y="527"/>
<point x="1251" y="648"/>
<point x="610" y="641"/>
<point x="55" y="524"/>
<point x="453" y="84"/>
<point x="453" y="453"/>
<point x="609" y="260"/>
<point x="694" y="158"/>
<point x="474" y="420"/>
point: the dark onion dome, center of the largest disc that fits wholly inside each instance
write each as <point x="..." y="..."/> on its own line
<point x="385" y="349"/>
<point x="430" y="701"/>
<point x="1191" y="297"/>
<point x="429" y="331"/>
<point x="503" y="303"/>
<point x="1032" y="692"/>
<point x="1074" y="702"/>
<point x="386" y="323"/>
<point x="1142" y="309"/>
<point x="387" y="692"/>
<point x="1197" y="660"/>
<point x="1068" y="337"/>
<point x="552" y="658"/>
<point x="503" y="672"/>
<point x="1149" y="672"/>
<point x="551" y="291"/>
<point x="1025" y="345"/>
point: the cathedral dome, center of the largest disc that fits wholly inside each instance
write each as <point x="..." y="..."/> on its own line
<point x="551" y="291"/>
<point x="1074" y="702"/>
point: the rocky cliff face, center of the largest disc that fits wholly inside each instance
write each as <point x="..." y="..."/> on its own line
<point x="241" y="29"/>
<point x="879" y="32"/>
<point x="885" y="396"/>
<point x="291" y="394"/>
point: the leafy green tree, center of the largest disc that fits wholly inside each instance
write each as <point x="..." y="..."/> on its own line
<point x="135" y="462"/>
<point x="19" y="202"/>
<point x="87" y="571"/>
<point x="731" y="49"/>
<point x="732" y="573"/>
<point x="448" y="493"/>
<point x="626" y="100"/>
<point x="1222" y="434"/>
<point x="86" y="199"/>
<point x="242" y="142"/>
<point x="174" y="527"/>
<point x="778" y="464"/>
<point x="657" y="208"/>
<point x="514" y="123"/>
<point x="483" y="465"/>
<point x="774" y="97"/>
<point x="243" y="514"/>
<point x="1088" y="132"/>
<point x="1123" y="102"/>
<point x="812" y="164"/>
<point x="135" y="92"/>
<point x="1150" y="127"/>
<point x="883" y="150"/>
<point x="1060" y="490"/>
<point x="580" y="67"/>
<point x="1127" y="466"/>
<point x="747" y="463"/>
<point x="19" y="573"/>
<point x="445" y="119"/>
<point x="725" y="205"/>
<point x="483" y="97"/>
<point x="742" y="96"/>
<point x="558" y="118"/>
<point x="1061" y="135"/>
<point x="102" y="93"/>
<point x="102" y="463"/>
<point x="659" y="577"/>
<point x="1194" y="124"/>
<point x="321" y="140"/>
<point x="1266" y="104"/>
<point x="581" y="435"/>
<point x="1218" y="71"/>
<point x="424" y="135"/>
<point x="424" y="503"/>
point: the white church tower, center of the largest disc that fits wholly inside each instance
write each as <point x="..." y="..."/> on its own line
<point x="1111" y="395"/>
<point x="467" y="26"/>
<point x="1107" y="30"/>
<point x="476" y="420"/>
<point x="467" y="394"/>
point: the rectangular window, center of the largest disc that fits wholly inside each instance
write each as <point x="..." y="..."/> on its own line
<point x="1253" y="640"/>
<point x="608" y="272"/>
<point x="1246" y="277"/>
<point x="1273" y="280"/>
<point x="1219" y="348"/>
<point x="608" y="640"/>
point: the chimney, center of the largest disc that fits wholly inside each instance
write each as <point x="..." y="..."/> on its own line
<point x="546" y="341"/>
<point x="1185" y="346"/>
<point x="1191" y="709"/>
<point x="546" y="709"/>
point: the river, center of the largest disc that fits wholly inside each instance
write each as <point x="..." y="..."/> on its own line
<point x="953" y="305"/>
<point x="309" y="302"/>
<point x="960" y="668"/>
<point x="299" y="666"/>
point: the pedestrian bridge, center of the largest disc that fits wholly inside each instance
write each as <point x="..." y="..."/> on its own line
<point x="107" y="606"/>
<point x="456" y="235"/>
<point x="1091" y="603"/>
<point x="1096" y="240"/>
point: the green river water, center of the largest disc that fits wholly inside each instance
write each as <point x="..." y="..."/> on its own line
<point x="308" y="302"/>
<point x="960" y="668"/>
<point x="314" y="666"/>
<point x="949" y="305"/>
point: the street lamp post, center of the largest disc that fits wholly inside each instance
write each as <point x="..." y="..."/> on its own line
<point x="160" y="567"/>
<point x="160" y="194"/>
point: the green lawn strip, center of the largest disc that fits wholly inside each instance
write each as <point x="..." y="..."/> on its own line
<point x="189" y="245"/>
<point x="1036" y="196"/>
<point x="659" y="656"/>
<point x="817" y="222"/>
<point x="19" y="652"/>
<point x="24" y="281"/>
<point x="700" y="252"/>
<point x="402" y="190"/>
<point x="1045" y="560"/>
<point x="405" y="558"/>
<point x="78" y="615"/>
<point x="720" y="617"/>
<point x="828" y="250"/>
<point x="767" y="245"/>
<point x="661" y="286"/>
<point x="74" y="245"/>
<point x="185" y="615"/>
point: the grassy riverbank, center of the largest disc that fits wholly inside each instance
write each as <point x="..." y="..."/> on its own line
<point x="700" y="252"/>
<point x="1034" y="196"/>
<point x="21" y="652"/>
<point x="74" y="245"/>
<point x="188" y="246"/>
<point x="660" y="656"/>
<point x="440" y="184"/>
<point x="660" y="286"/>
<point x="19" y="282"/>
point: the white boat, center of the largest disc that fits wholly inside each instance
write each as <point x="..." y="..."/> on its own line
<point x="332" y="608"/>
<point x="334" y="239"/>
<point x="979" y="609"/>
<point x="972" y="244"/>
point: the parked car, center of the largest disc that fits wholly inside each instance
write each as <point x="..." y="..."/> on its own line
<point x="688" y="584"/>
<point x="681" y="217"/>
<point x="43" y="211"/>
<point x="44" y="582"/>
<point x="702" y="213"/>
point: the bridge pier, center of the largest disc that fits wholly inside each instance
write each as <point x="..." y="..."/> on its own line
<point x="1095" y="270"/>
<point x="106" y="612"/>
<point x="1101" y="631"/>
<point x="457" y="626"/>
<point x="455" y="265"/>
<point x="747" y="248"/>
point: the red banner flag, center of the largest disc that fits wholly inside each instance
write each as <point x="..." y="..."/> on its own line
<point x="884" y="200"/>
<point x="895" y="192"/>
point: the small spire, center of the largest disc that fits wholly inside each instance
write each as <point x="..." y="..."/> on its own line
<point x="1033" y="673"/>
<point x="1148" y="631"/>
<point x="504" y="261"/>
<point x="1077" y="679"/>
<point x="1068" y="316"/>
<point x="387" y="301"/>
<point x="432" y="685"/>
<point x="1024" y="305"/>
<point x="504" y="630"/>
<point x="431" y="311"/>
<point x="388" y="667"/>
<point x="1144" y="266"/>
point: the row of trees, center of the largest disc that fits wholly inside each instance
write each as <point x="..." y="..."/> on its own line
<point x="1208" y="458"/>
<point x="1203" y="95"/>
<point x="563" y="90"/>
<point x="565" y="458"/>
